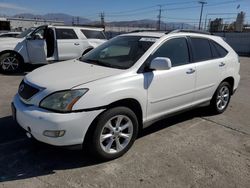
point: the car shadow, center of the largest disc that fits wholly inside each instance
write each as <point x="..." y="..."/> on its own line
<point x="21" y="158"/>
<point x="26" y="69"/>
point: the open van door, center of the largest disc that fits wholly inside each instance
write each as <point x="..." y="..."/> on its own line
<point x="36" y="46"/>
<point x="41" y="45"/>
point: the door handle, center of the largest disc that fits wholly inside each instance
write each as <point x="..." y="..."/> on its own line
<point x="77" y="44"/>
<point x="222" y="64"/>
<point x="190" y="71"/>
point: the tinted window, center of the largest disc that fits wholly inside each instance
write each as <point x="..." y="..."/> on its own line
<point x="176" y="50"/>
<point x="90" y="34"/>
<point x="217" y="50"/>
<point x="66" y="34"/>
<point x="201" y="49"/>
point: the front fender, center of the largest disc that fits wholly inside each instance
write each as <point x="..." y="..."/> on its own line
<point x="19" y="47"/>
<point x="104" y="92"/>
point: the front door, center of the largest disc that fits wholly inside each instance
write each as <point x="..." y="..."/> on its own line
<point x="36" y="46"/>
<point x="171" y="90"/>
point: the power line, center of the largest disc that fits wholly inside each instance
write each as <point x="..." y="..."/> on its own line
<point x="151" y="7"/>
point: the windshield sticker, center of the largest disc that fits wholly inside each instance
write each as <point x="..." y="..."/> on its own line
<point x="146" y="39"/>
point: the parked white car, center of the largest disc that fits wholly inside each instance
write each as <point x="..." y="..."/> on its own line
<point x="129" y="82"/>
<point x="46" y="44"/>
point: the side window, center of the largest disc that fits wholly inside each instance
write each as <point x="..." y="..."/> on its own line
<point x="202" y="50"/>
<point x="217" y="50"/>
<point x="174" y="49"/>
<point x="66" y="34"/>
<point x="38" y="34"/>
<point x="92" y="34"/>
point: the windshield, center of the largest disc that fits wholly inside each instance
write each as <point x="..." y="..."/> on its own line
<point x="25" y="33"/>
<point x="121" y="52"/>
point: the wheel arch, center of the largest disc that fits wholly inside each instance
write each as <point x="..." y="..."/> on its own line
<point x="231" y="81"/>
<point x="13" y="51"/>
<point x="130" y="103"/>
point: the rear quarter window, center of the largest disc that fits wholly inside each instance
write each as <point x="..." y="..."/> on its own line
<point x="217" y="50"/>
<point x="91" y="34"/>
<point x="66" y="34"/>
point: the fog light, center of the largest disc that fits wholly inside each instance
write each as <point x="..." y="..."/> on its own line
<point x="54" y="133"/>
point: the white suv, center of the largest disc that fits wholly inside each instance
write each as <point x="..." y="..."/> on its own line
<point x="127" y="83"/>
<point x="46" y="44"/>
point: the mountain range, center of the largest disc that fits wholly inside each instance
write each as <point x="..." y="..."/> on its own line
<point x="69" y="19"/>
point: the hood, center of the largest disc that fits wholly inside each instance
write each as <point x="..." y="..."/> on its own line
<point x="11" y="43"/>
<point x="68" y="74"/>
<point x="10" y="40"/>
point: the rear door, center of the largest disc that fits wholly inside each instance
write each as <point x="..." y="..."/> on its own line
<point x="68" y="44"/>
<point x="209" y="69"/>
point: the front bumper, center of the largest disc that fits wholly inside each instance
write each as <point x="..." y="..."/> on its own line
<point x="36" y="120"/>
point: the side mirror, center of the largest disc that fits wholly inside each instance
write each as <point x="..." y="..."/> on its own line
<point x="161" y="63"/>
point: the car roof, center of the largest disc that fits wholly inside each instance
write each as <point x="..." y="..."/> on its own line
<point x="80" y="27"/>
<point x="165" y="34"/>
<point x="156" y="34"/>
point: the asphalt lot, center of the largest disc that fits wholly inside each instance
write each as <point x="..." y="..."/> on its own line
<point x="193" y="149"/>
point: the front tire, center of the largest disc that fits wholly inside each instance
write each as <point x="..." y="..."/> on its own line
<point x="10" y="63"/>
<point x="115" y="132"/>
<point x="221" y="98"/>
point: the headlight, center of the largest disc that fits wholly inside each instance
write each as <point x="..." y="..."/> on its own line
<point x="62" y="101"/>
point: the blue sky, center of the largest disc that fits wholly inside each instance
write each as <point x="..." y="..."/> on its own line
<point x="116" y="10"/>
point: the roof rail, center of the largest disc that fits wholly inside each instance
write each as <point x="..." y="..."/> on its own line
<point x="147" y="30"/>
<point x="81" y="25"/>
<point x="190" y="31"/>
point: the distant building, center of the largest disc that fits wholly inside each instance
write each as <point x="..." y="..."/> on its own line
<point x="216" y="25"/>
<point x="239" y="24"/>
<point x="21" y="24"/>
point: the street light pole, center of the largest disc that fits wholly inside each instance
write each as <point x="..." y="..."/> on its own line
<point x="202" y="5"/>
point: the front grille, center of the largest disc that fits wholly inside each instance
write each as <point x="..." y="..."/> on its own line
<point x="27" y="91"/>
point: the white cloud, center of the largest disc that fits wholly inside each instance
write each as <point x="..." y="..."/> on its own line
<point x="12" y="7"/>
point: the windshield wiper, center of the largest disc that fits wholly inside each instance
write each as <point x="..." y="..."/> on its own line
<point x="98" y="62"/>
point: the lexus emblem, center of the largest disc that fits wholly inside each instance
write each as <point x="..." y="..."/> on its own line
<point x="21" y="88"/>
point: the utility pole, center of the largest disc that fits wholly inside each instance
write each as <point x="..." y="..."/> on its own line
<point x="77" y="20"/>
<point x="202" y="5"/>
<point x="102" y="16"/>
<point x="159" y="18"/>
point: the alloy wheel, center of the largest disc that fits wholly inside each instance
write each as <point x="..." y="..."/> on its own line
<point x="223" y="98"/>
<point x="116" y="134"/>
<point x="10" y="64"/>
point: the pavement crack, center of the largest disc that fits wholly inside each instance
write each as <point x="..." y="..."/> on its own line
<point x="226" y="126"/>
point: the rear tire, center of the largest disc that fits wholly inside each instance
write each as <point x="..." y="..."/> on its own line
<point x="115" y="132"/>
<point x="10" y="63"/>
<point x="221" y="98"/>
